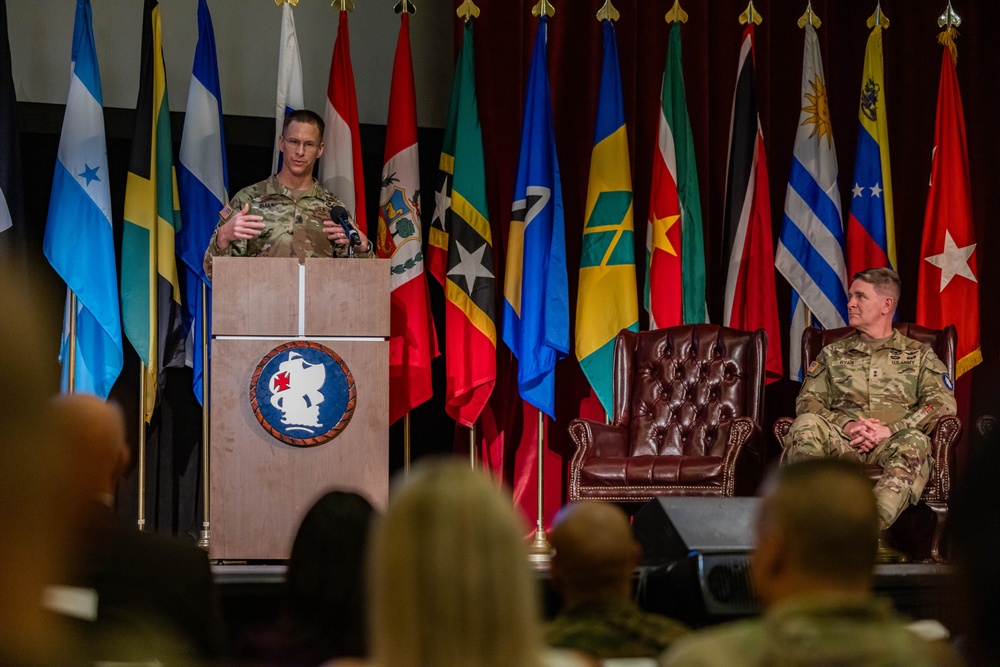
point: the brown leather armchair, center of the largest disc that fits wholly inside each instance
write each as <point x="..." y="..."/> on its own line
<point x="944" y="438"/>
<point x="688" y="401"/>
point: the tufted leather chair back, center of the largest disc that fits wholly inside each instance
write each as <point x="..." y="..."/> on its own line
<point x="675" y="386"/>
<point x="942" y="341"/>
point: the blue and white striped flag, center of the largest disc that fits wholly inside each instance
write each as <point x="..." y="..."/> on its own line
<point x="78" y="238"/>
<point x="290" y="97"/>
<point x="810" y="251"/>
<point x="202" y="184"/>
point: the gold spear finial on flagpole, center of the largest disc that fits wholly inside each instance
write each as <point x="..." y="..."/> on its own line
<point x="751" y="14"/>
<point x="809" y="17"/>
<point x="467" y="11"/>
<point x="405" y="6"/>
<point x="950" y="22"/>
<point x="290" y="2"/>
<point x="949" y="19"/>
<point x="543" y="8"/>
<point x="878" y="18"/>
<point x="608" y="12"/>
<point x="342" y="5"/>
<point x="676" y="13"/>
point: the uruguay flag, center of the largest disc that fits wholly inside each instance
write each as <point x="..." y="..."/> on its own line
<point x="810" y="251"/>
<point x="78" y="239"/>
<point x="290" y="97"/>
<point x="536" y="291"/>
<point x="202" y="184"/>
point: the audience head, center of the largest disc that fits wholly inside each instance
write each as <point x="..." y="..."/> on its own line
<point x="93" y="434"/>
<point x="325" y="597"/>
<point x="595" y="553"/>
<point x="450" y="578"/>
<point x="817" y="531"/>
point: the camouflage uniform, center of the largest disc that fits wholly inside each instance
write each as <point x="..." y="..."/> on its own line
<point x="903" y="384"/>
<point x="819" y="630"/>
<point x="293" y="228"/>
<point x="613" y="631"/>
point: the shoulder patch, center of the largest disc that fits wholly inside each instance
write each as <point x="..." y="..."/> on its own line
<point x="948" y="381"/>
<point x="813" y="366"/>
<point x="226" y="211"/>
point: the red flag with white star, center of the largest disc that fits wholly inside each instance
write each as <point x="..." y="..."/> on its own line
<point x="948" y="286"/>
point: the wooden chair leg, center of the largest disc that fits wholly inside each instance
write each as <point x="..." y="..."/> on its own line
<point x="941" y="516"/>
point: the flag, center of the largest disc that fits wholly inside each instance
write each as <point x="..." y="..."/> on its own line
<point x="151" y="306"/>
<point x="810" y="251"/>
<point x="460" y="251"/>
<point x="202" y="185"/>
<point x="289" y="97"/>
<point x="750" y="301"/>
<point x="871" y="236"/>
<point x="11" y="194"/>
<point x="340" y="165"/>
<point x="948" y="284"/>
<point x="675" y="248"/>
<point x="413" y="341"/>
<point x="79" y="242"/>
<point x="536" y="292"/>
<point x="607" y="301"/>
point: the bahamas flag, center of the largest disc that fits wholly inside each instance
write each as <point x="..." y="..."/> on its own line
<point x="607" y="301"/>
<point x="202" y="184"/>
<point x="536" y="291"/>
<point x="151" y="305"/>
<point x="871" y="236"/>
<point x="79" y="242"/>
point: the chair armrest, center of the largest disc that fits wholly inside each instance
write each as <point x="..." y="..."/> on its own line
<point x="597" y="439"/>
<point x="943" y="442"/>
<point x="743" y="462"/>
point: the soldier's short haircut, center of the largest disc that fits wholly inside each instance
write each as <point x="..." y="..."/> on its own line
<point x="826" y="511"/>
<point x="885" y="280"/>
<point x="304" y="116"/>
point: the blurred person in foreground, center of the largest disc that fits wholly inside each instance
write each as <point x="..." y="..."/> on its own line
<point x="812" y="567"/>
<point x="451" y="585"/>
<point x="592" y="569"/>
<point x="135" y="596"/>
<point x="323" y="613"/>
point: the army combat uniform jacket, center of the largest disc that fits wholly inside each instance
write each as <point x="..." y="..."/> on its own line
<point x="903" y="384"/>
<point x="293" y="228"/>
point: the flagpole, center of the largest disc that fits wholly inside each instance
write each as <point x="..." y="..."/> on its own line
<point x="205" y="536"/>
<point x="406" y="445"/>
<point x="540" y="551"/>
<point x="472" y="446"/>
<point x="72" y="342"/>
<point x="142" y="447"/>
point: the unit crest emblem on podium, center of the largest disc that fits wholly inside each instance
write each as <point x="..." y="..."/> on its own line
<point x="303" y="393"/>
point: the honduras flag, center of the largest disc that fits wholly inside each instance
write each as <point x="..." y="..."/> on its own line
<point x="290" y="97"/>
<point x="536" y="292"/>
<point x="202" y="185"/>
<point x="78" y="238"/>
<point x="811" y="247"/>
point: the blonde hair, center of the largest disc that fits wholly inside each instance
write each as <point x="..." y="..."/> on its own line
<point x="450" y="583"/>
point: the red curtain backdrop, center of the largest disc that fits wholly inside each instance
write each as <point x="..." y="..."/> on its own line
<point x="711" y="38"/>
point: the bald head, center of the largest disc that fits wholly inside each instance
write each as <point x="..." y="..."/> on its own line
<point x="595" y="552"/>
<point x="93" y="433"/>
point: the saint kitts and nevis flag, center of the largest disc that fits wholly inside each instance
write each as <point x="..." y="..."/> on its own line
<point x="871" y="236"/>
<point x="607" y="301"/>
<point x="675" y="247"/>
<point x="202" y="185"/>
<point x="340" y="169"/>
<point x="151" y="306"/>
<point x="536" y="291"/>
<point x="289" y="97"/>
<point x="750" y="301"/>
<point x="79" y="242"/>
<point x="811" y="246"/>
<point x="413" y="341"/>
<point x="948" y="284"/>
<point x="460" y="251"/>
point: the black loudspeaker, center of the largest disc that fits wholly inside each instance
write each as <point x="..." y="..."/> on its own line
<point x="701" y="543"/>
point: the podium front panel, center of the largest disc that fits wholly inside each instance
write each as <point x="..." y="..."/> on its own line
<point x="261" y="487"/>
<point x="340" y="297"/>
<point x="255" y="296"/>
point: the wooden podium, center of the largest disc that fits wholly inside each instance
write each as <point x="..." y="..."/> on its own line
<point x="260" y="486"/>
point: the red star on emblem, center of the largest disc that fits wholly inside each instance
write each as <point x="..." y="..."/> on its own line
<point x="282" y="381"/>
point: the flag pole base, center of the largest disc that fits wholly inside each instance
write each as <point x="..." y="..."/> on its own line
<point x="540" y="552"/>
<point x="204" y="536"/>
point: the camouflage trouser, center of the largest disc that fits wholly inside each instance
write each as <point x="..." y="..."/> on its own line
<point x="904" y="457"/>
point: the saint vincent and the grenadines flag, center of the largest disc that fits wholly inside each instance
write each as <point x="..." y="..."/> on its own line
<point x="536" y="291"/>
<point x="675" y="249"/>
<point x="871" y="236"/>
<point x="460" y="251"/>
<point x="607" y="301"/>
<point x="413" y="341"/>
<point x="151" y="304"/>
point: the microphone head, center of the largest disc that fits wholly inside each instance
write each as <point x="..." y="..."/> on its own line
<point x="338" y="213"/>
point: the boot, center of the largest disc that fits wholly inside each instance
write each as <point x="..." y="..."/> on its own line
<point x="887" y="554"/>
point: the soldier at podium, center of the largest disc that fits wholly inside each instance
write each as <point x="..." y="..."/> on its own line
<point x="289" y="214"/>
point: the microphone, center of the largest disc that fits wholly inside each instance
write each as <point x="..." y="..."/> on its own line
<point x="339" y="215"/>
